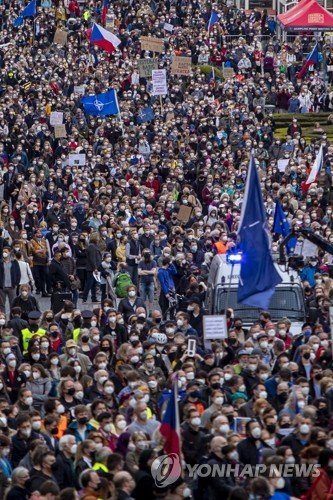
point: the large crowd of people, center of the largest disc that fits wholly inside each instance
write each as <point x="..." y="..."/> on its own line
<point x="119" y="246"/>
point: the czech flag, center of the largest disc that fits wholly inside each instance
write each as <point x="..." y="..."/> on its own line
<point x="312" y="59"/>
<point x="103" y="38"/>
<point x="316" y="167"/>
<point x="214" y="18"/>
<point x="105" y="8"/>
<point x="170" y="423"/>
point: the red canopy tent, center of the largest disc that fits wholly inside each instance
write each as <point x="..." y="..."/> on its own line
<point x="293" y="10"/>
<point x="308" y="15"/>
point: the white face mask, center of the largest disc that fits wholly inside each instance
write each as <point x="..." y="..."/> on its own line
<point x="109" y="390"/>
<point x="227" y="376"/>
<point x="242" y="388"/>
<point x="280" y="483"/>
<point x="219" y="400"/>
<point x="36" y="375"/>
<point x="224" y="428"/>
<point x="102" y="379"/>
<point x="79" y="395"/>
<point x="27" y="373"/>
<point x="305" y="391"/>
<point x="256" y="432"/>
<point x="107" y="427"/>
<point x="187" y="493"/>
<point x="263" y="394"/>
<point x="152" y="384"/>
<point x="143" y="415"/>
<point x="131" y="293"/>
<point x="196" y="421"/>
<point x="77" y="369"/>
<point x="304" y="428"/>
<point x="190" y="375"/>
<point x="290" y="460"/>
<point x="121" y="424"/>
<point x="36" y="425"/>
<point x="28" y="401"/>
<point x="60" y="409"/>
<point x="73" y="449"/>
<point x="54" y="361"/>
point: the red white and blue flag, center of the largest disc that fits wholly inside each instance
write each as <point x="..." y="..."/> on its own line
<point x="105" y="8"/>
<point x="316" y="167"/>
<point x="213" y="19"/>
<point x="103" y="38"/>
<point x="170" y="424"/>
<point x="311" y="60"/>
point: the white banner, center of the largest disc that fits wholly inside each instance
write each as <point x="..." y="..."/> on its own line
<point x="159" y="81"/>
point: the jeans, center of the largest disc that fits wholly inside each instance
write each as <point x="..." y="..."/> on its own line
<point x="147" y="291"/>
<point x="40" y="274"/>
<point x="7" y="292"/>
<point x="90" y="285"/>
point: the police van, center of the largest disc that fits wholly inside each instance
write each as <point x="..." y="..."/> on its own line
<point x="287" y="301"/>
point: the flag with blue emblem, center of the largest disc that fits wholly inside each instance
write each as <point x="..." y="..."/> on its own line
<point x="145" y="115"/>
<point x="258" y="276"/>
<point x="101" y="104"/>
<point x="282" y="226"/>
<point x="29" y="11"/>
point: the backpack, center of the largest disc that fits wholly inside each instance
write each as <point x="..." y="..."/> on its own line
<point x="123" y="281"/>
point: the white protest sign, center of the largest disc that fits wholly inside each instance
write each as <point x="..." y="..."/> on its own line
<point x="79" y="89"/>
<point x="56" y="118"/>
<point x="215" y="327"/>
<point x="282" y="164"/>
<point x="168" y="27"/>
<point x="75" y="159"/>
<point x="159" y="81"/>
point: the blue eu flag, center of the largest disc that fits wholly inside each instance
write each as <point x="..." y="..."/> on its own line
<point x="146" y="115"/>
<point x="282" y="226"/>
<point x="29" y="11"/>
<point x="101" y="104"/>
<point x="258" y="276"/>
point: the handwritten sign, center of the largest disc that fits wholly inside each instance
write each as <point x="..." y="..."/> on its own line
<point x="181" y="66"/>
<point x="215" y="327"/>
<point x="146" y="66"/>
<point x="60" y="37"/>
<point x="60" y="131"/>
<point x="159" y="82"/>
<point x="228" y="72"/>
<point x="56" y="118"/>
<point x="152" y="44"/>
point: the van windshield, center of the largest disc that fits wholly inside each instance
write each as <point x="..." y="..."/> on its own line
<point x="286" y="302"/>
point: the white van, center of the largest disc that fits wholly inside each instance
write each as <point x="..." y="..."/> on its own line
<point x="287" y="301"/>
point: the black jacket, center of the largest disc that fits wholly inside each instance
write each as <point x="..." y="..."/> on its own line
<point x="65" y="473"/>
<point x="94" y="257"/>
<point x="57" y="275"/>
<point x="248" y="451"/>
<point x="127" y="309"/>
<point x="15" y="274"/>
<point x="18" y="493"/>
<point x="26" y="306"/>
<point x="21" y="446"/>
<point x="194" y="444"/>
<point x="219" y="487"/>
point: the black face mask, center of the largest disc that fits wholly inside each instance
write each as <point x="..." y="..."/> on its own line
<point x="71" y="391"/>
<point x="216" y="385"/>
<point x="284" y="426"/>
<point x="54" y="335"/>
<point x="306" y="355"/>
<point x="82" y="420"/>
<point x="283" y="396"/>
<point x="105" y="348"/>
<point x="157" y="320"/>
<point x="271" y="428"/>
<point x="54" y="467"/>
<point x="85" y="338"/>
<point x="55" y="430"/>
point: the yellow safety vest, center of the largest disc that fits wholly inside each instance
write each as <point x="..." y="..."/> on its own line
<point x="98" y="466"/>
<point x="27" y="335"/>
<point x="76" y="333"/>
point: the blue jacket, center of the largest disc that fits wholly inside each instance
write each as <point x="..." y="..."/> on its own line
<point x="308" y="273"/>
<point x="73" y="430"/>
<point x="165" y="277"/>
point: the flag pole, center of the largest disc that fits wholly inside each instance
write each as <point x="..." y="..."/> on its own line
<point x="161" y="103"/>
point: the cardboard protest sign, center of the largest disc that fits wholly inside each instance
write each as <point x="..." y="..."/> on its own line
<point x="228" y="72"/>
<point x="181" y="66"/>
<point x="184" y="213"/>
<point x="60" y="37"/>
<point x="152" y="44"/>
<point x="146" y="66"/>
<point x="60" y="131"/>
